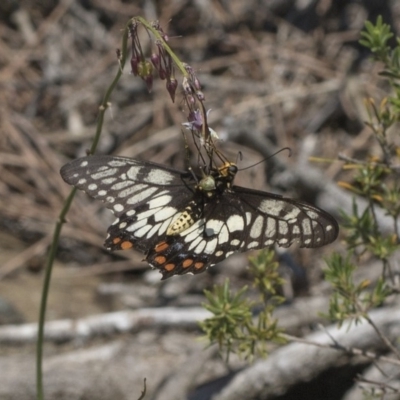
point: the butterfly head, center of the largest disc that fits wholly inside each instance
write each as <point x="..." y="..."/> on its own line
<point x="226" y="174"/>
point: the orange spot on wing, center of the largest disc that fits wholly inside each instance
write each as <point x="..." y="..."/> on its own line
<point x="187" y="263"/>
<point x="199" y="265"/>
<point x="161" y="247"/>
<point x="126" y="245"/>
<point x="169" y="267"/>
<point x="116" y="240"/>
<point x="160" y="259"/>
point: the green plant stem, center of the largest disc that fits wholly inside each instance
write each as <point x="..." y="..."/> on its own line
<point x="45" y="292"/>
<point x="61" y="219"/>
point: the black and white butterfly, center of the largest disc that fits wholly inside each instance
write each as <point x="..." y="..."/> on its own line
<point x="184" y="223"/>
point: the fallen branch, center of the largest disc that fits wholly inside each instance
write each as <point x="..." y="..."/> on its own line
<point x="105" y="324"/>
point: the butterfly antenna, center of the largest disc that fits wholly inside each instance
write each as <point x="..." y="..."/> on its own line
<point x="267" y="158"/>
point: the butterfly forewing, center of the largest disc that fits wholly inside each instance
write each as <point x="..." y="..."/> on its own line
<point x="145" y="197"/>
<point x="273" y="219"/>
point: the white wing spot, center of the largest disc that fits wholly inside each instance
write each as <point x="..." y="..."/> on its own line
<point x="248" y="218"/>
<point x="251" y="245"/>
<point x="128" y="191"/>
<point x="283" y="241"/>
<point x="122" y="225"/>
<point x="130" y="213"/>
<point x="269" y="242"/>
<point x="118" y="207"/>
<point x="235" y="223"/>
<point x="223" y="236"/>
<point x="115" y="222"/>
<point x="292" y="215"/>
<point x="213" y="227"/>
<point x="329" y="228"/>
<point x="235" y="242"/>
<point x="153" y="230"/>
<point x="199" y="249"/>
<point x="229" y="253"/>
<point x="305" y="224"/>
<point x="108" y="181"/>
<point x="82" y="181"/>
<point x="164" y="226"/>
<point x="110" y="199"/>
<point x="141" y="196"/>
<point x="137" y="225"/>
<point x="211" y="246"/>
<point x="195" y="242"/>
<point x="84" y="163"/>
<point x="159" y="177"/>
<point x="119" y="163"/>
<point x="283" y="227"/>
<point x="92" y="186"/>
<point x="104" y="174"/>
<point x="271" y="207"/>
<point x="142" y="231"/>
<point x="146" y="214"/>
<point x="102" y="192"/>
<point x="165" y="213"/>
<point x="271" y="227"/>
<point x="307" y="241"/>
<point x="219" y="253"/>
<point x="194" y="236"/>
<point x="121" y="185"/>
<point x="133" y="173"/>
<point x="75" y="175"/>
<point x="312" y="214"/>
<point x="159" y="201"/>
<point x="257" y="226"/>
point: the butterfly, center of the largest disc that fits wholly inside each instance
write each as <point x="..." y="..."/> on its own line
<point x="187" y="223"/>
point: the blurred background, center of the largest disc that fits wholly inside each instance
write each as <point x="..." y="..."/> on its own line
<point x="275" y="73"/>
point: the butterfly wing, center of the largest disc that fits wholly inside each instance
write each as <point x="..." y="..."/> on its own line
<point x="240" y="220"/>
<point x="145" y="197"/>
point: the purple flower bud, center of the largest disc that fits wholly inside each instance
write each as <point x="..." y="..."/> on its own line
<point x="200" y="95"/>
<point x="196" y="83"/>
<point x="155" y="59"/>
<point x="135" y="65"/>
<point x="172" y="84"/>
<point x="188" y="68"/>
<point x="186" y="86"/>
